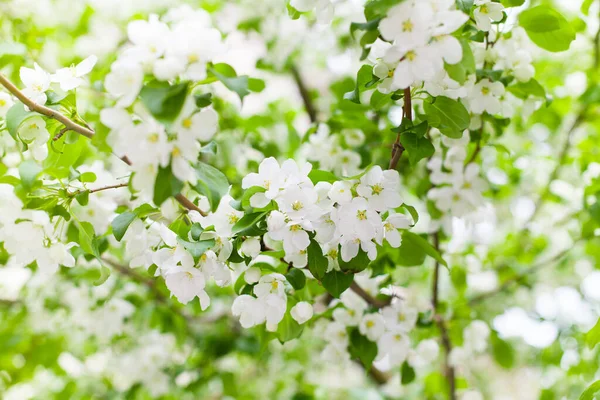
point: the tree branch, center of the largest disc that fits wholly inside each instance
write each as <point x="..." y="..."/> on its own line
<point x="304" y="93"/>
<point x="49" y="112"/>
<point x="441" y="323"/>
<point x="367" y="297"/>
<point x="75" y="127"/>
<point x="397" y="148"/>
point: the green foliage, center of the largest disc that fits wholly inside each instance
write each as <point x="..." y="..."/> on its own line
<point x="164" y="101"/>
<point x="407" y="373"/>
<point x="503" y="352"/>
<point x="336" y="282"/>
<point x="317" y="262"/>
<point x="362" y="348"/>
<point x="166" y="185"/>
<point x="15" y="116"/>
<point x="212" y="183"/>
<point x="448" y="115"/>
<point x="296" y="278"/>
<point x="590" y="391"/>
<point x="547" y="28"/>
<point x="592" y="338"/>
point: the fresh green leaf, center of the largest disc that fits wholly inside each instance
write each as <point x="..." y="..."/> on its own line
<point x="407" y="373"/>
<point x="364" y="76"/>
<point x="417" y="147"/>
<point x="166" y="185"/>
<point x="357" y="264"/>
<point x="288" y="328"/>
<point x="87" y="177"/>
<point x="196" y="249"/>
<point x="87" y="238"/>
<point x="203" y="100"/>
<point x="503" y="352"/>
<point x="296" y="278"/>
<point x="121" y="223"/>
<point x="164" y="101"/>
<point x="512" y="3"/>
<point x="317" y="262"/>
<point x="362" y="348"/>
<point x="336" y="282"/>
<point x="547" y="28"/>
<point x="15" y="116"/>
<point x="417" y="241"/>
<point x="588" y="394"/>
<point x="523" y="90"/>
<point x="465" y="6"/>
<point x="212" y="183"/>
<point x="317" y="175"/>
<point x="227" y="75"/>
<point x="448" y="115"/>
<point x="250" y="225"/>
<point x="592" y="338"/>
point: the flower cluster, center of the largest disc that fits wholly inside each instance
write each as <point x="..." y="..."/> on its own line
<point x="421" y="41"/>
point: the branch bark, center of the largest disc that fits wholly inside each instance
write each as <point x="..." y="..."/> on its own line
<point x="367" y="297"/>
<point x="75" y="127"/>
<point x="397" y="148"/>
<point x="304" y="93"/>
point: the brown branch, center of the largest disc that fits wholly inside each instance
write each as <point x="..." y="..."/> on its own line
<point x="397" y="148"/>
<point x="75" y="127"/>
<point x="60" y="134"/>
<point x="441" y="323"/>
<point x="368" y="298"/>
<point x="116" y="186"/>
<point x="304" y="93"/>
<point x="49" y="112"/>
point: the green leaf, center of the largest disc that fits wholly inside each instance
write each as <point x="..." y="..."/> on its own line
<point x="104" y="275"/>
<point x="512" y="3"/>
<point x="227" y="75"/>
<point x="378" y="8"/>
<point x="547" y="28"/>
<point x="364" y="76"/>
<point x="87" y="177"/>
<point x="256" y="85"/>
<point x="357" y="264"/>
<point x="592" y="338"/>
<point x="585" y="6"/>
<point x="461" y="70"/>
<point x="195" y="231"/>
<point x="296" y="278"/>
<point x="15" y="116"/>
<point x="412" y="211"/>
<point x="166" y="185"/>
<point x="288" y="328"/>
<point x="317" y="262"/>
<point x="588" y="394"/>
<point x="203" y="100"/>
<point x="248" y="225"/>
<point x="418" y="147"/>
<point x="83" y="198"/>
<point x="212" y="183"/>
<point x="336" y="282"/>
<point x="448" y="115"/>
<point x="164" y="101"/>
<point x="523" y="90"/>
<point x="248" y="193"/>
<point x="362" y="348"/>
<point x="418" y="242"/>
<point x="196" y="249"/>
<point x="407" y="373"/>
<point x="317" y="175"/>
<point x="121" y="223"/>
<point x="29" y="171"/>
<point x="380" y="100"/>
<point x="465" y="6"/>
<point x="503" y="352"/>
<point x="87" y="238"/>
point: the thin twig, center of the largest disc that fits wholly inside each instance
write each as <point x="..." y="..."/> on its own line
<point x="398" y="148"/>
<point x="100" y="189"/>
<point x="368" y="298"/>
<point x="304" y="93"/>
<point x="60" y="134"/>
<point x="75" y="127"/>
<point x="49" y="112"/>
<point x="441" y="323"/>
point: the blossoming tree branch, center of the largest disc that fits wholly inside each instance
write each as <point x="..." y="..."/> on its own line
<point x="301" y="199"/>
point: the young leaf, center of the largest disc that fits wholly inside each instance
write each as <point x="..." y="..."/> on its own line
<point x="336" y="282"/>
<point x="317" y="262"/>
<point x="588" y="394"/>
<point x="166" y="185"/>
<point x="164" y="101"/>
<point x="87" y="238"/>
<point x="317" y="175"/>
<point x="357" y="264"/>
<point x="15" y="116"/>
<point x="196" y="249"/>
<point x="121" y="223"/>
<point x="417" y="147"/>
<point x="288" y="328"/>
<point x="547" y="28"/>
<point x="212" y="183"/>
<point x="296" y="278"/>
<point x="227" y="75"/>
<point x="407" y="373"/>
<point x="592" y="338"/>
<point x="465" y="6"/>
<point x="203" y="100"/>
<point x="362" y="348"/>
<point x="448" y="115"/>
<point x="418" y="242"/>
<point x="28" y="171"/>
<point x="523" y="90"/>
